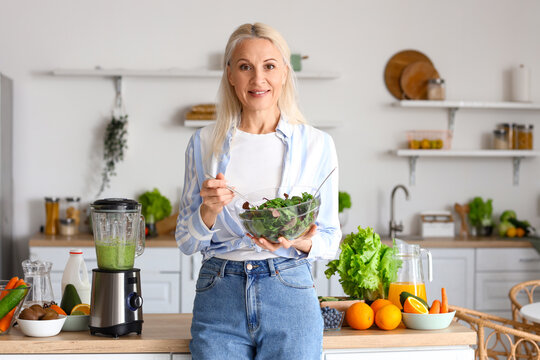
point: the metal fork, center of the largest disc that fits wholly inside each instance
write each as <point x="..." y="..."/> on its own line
<point x="230" y="188"/>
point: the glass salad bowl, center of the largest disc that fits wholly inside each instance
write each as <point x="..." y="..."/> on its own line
<point x="286" y="211"/>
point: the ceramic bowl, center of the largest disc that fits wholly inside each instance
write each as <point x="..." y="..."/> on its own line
<point x="289" y="222"/>
<point x="41" y="328"/>
<point x="76" y="323"/>
<point x="428" y="321"/>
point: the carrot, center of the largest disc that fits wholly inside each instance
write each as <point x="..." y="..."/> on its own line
<point x="435" y="307"/>
<point x="58" y="309"/>
<point x="444" y="301"/>
<point x="5" y="322"/>
<point x="10" y="285"/>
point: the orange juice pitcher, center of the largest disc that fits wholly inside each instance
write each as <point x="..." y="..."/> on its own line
<point x="410" y="276"/>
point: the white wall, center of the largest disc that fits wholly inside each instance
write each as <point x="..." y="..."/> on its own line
<point x="59" y="121"/>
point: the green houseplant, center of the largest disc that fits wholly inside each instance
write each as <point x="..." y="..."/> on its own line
<point x="344" y="203"/>
<point x="480" y="216"/>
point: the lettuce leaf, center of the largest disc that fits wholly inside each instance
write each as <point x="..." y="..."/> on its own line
<point x="366" y="266"/>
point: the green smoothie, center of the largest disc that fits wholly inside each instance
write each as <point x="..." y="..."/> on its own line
<point x="115" y="255"/>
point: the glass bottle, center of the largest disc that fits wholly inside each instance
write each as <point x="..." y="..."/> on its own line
<point x="500" y="139"/>
<point x="436" y="89"/>
<point x="51" y="215"/>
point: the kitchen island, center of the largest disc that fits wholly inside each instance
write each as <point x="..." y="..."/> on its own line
<point x="167" y="336"/>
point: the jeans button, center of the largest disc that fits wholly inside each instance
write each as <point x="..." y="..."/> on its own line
<point x="249" y="266"/>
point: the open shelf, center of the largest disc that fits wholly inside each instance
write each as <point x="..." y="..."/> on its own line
<point x="515" y="155"/>
<point x="117" y="73"/>
<point x="202" y="123"/>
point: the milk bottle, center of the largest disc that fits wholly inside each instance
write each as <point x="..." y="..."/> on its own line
<point x="75" y="273"/>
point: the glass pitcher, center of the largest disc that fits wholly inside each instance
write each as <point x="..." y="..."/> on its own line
<point x="410" y="276"/>
<point x="118" y="232"/>
<point x="38" y="274"/>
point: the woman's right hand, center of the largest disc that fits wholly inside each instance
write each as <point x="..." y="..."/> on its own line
<point x="215" y="196"/>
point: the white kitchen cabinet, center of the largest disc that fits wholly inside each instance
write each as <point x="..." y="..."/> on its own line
<point x="160" y="274"/>
<point x="322" y="284"/>
<point x="428" y="353"/>
<point x="190" y="266"/>
<point x="453" y="269"/>
<point x="497" y="271"/>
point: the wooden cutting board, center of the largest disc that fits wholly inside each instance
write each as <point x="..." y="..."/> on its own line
<point x="395" y="66"/>
<point x="414" y="79"/>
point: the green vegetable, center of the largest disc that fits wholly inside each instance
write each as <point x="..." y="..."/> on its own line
<point x="12" y="299"/>
<point x="366" y="266"/>
<point x="154" y="206"/>
<point x="480" y="212"/>
<point x="504" y="226"/>
<point x="404" y="295"/>
<point x="507" y="215"/>
<point x="344" y="201"/>
<point x="287" y="217"/>
<point x="114" y="146"/>
<point x="70" y="298"/>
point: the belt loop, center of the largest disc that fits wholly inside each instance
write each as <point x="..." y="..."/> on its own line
<point x="222" y="269"/>
<point x="271" y="267"/>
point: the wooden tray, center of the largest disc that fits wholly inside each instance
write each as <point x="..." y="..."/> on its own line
<point x="395" y="66"/>
<point x="414" y="79"/>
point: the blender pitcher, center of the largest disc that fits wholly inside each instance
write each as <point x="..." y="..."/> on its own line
<point x="410" y="276"/>
<point x="119" y="232"/>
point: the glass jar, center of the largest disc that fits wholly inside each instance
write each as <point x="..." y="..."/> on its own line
<point x="436" y="89"/>
<point x="68" y="227"/>
<point x="38" y="274"/>
<point x="525" y="137"/>
<point x="508" y="129"/>
<point x="71" y="209"/>
<point x="52" y="210"/>
<point x="500" y="139"/>
<point x="513" y="136"/>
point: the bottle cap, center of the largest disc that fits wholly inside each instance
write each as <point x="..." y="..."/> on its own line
<point x="75" y="251"/>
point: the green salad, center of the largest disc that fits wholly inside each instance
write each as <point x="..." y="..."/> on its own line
<point x="289" y="217"/>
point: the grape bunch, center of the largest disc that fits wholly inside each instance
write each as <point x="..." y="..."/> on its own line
<point x="331" y="317"/>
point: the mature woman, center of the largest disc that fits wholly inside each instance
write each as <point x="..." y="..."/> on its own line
<point x="256" y="299"/>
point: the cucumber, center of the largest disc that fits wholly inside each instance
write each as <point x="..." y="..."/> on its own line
<point x="404" y="295"/>
<point x="12" y="299"/>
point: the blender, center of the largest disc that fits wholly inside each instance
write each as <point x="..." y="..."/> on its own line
<point x="116" y="298"/>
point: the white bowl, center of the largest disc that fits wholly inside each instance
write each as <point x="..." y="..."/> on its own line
<point x="76" y="323"/>
<point x="42" y="328"/>
<point x="428" y="321"/>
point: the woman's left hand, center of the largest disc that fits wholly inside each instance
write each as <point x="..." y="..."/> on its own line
<point x="303" y="243"/>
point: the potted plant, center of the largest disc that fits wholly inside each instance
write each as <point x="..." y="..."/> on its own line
<point x="154" y="208"/>
<point x="344" y="203"/>
<point x="480" y="216"/>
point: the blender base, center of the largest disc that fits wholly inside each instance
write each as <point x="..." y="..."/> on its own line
<point x="118" y="330"/>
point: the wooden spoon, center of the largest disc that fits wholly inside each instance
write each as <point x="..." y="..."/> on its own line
<point x="462" y="211"/>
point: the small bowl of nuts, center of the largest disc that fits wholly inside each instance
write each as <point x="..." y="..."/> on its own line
<point x="39" y="321"/>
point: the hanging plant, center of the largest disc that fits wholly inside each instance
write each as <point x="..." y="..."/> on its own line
<point x="114" y="146"/>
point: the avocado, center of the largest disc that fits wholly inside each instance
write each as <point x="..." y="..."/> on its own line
<point x="70" y="298"/>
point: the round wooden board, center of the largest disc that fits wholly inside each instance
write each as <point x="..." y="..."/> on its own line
<point x="395" y="66"/>
<point x="414" y="79"/>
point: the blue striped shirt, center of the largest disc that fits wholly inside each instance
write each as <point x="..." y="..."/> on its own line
<point x="310" y="155"/>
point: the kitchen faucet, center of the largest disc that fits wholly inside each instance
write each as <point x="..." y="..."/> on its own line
<point x="395" y="228"/>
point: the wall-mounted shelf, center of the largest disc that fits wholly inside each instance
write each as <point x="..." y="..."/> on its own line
<point x="321" y="125"/>
<point x="515" y="155"/>
<point x="118" y="73"/>
<point x="453" y="106"/>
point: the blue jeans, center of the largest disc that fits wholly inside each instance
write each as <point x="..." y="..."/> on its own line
<point x="263" y="309"/>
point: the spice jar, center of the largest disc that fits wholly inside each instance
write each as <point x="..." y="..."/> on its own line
<point x="51" y="215"/>
<point x="68" y="227"/>
<point x="436" y="89"/>
<point x="525" y="137"/>
<point x="508" y="129"/>
<point x="500" y="139"/>
<point x="72" y="209"/>
<point x="513" y="136"/>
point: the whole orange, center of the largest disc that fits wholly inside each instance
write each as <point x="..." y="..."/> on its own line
<point x="388" y="317"/>
<point x="359" y="316"/>
<point x="379" y="303"/>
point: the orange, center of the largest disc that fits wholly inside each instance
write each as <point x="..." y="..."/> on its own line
<point x="520" y="232"/>
<point x="359" y="316"/>
<point x="388" y="317"/>
<point x="379" y="303"/>
<point x="81" y="309"/>
<point x="511" y="232"/>
<point x="414" y="306"/>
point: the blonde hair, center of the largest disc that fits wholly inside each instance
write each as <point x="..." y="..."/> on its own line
<point x="229" y="107"/>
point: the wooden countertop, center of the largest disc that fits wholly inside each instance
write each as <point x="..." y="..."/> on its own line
<point x="86" y="240"/>
<point x="170" y="333"/>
